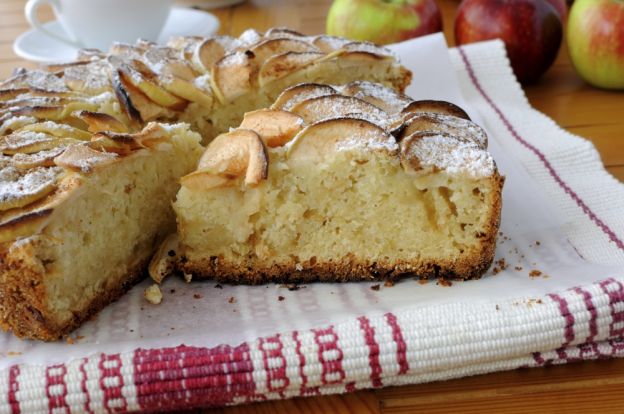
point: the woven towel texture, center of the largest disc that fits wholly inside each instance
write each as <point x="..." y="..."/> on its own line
<point x="433" y="343"/>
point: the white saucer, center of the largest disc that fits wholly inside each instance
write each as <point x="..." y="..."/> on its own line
<point x="38" y="47"/>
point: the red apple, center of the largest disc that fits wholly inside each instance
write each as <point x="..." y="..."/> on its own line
<point x="531" y="30"/>
<point x="596" y="41"/>
<point x="383" y="21"/>
<point x="561" y="7"/>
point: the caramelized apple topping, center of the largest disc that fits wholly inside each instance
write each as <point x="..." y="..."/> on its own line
<point x="240" y="153"/>
<point x="275" y="127"/>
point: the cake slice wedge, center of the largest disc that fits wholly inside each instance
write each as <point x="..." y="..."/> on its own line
<point x="343" y="198"/>
<point x="80" y="221"/>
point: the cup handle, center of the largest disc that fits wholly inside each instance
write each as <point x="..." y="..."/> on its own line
<point x="31" y="15"/>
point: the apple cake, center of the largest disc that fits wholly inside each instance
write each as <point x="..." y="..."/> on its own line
<point x="91" y="153"/>
<point x="337" y="183"/>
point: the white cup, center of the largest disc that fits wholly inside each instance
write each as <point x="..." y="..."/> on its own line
<point x="99" y="23"/>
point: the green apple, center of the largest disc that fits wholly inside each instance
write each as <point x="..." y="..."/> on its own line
<point x="596" y="41"/>
<point x="383" y="21"/>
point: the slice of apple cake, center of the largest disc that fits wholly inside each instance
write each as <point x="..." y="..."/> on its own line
<point x="337" y="183"/>
<point x="80" y="217"/>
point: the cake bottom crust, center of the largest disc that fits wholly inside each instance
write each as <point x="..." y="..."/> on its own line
<point x="22" y="309"/>
<point x="345" y="269"/>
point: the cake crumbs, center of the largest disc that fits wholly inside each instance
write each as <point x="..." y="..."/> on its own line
<point x="422" y="281"/>
<point x="388" y="283"/>
<point x="497" y="307"/>
<point x="292" y="287"/>
<point x="530" y="302"/>
<point x="537" y="243"/>
<point x="153" y="294"/>
<point x="14" y="353"/>
<point x="518" y="268"/>
<point x="444" y="283"/>
<point x="535" y="273"/>
<point x="375" y="287"/>
<point x="232" y="299"/>
<point x="280" y="298"/>
<point x="198" y="295"/>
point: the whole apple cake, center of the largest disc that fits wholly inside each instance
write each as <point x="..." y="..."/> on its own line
<point x="92" y="151"/>
<point x="337" y="183"/>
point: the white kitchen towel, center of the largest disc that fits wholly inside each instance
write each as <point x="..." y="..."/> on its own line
<point x="567" y="167"/>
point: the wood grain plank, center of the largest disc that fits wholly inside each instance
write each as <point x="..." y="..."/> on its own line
<point x="263" y="14"/>
<point x="515" y="391"/>
<point x="13" y="6"/>
<point x="605" y="399"/>
<point x="361" y="402"/>
<point x="608" y="139"/>
<point x="617" y="172"/>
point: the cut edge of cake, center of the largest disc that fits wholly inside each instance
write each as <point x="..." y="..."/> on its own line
<point x="56" y="267"/>
<point x="426" y="146"/>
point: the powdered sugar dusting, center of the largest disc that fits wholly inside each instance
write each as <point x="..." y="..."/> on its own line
<point x="203" y="82"/>
<point x="93" y="76"/>
<point x="36" y="79"/>
<point x="385" y="98"/>
<point x="308" y="93"/>
<point x="330" y="43"/>
<point x="234" y="59"/>
<point x="16" y="184"/>
<point x="29" y="100"/>
<point x="54" y="126"/>
<point x="84" y="159"/>
<point x="248" y="38"/>
<point x="16" y="122"/>
<point x="331" y="106"/>
<point x="451" y="155"/>
<point x="367" y="139"/>
<point x="102" y="98"/>
<point x="462" y="128"/>
<point x="23" y="139"/>
<point x="41" y="158"/>
<point x="368" y="48"/>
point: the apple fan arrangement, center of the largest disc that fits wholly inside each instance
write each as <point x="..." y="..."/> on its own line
<point x="532" y="30"/>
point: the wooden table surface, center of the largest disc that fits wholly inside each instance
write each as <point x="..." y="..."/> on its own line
<point x="595" y="114"/>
